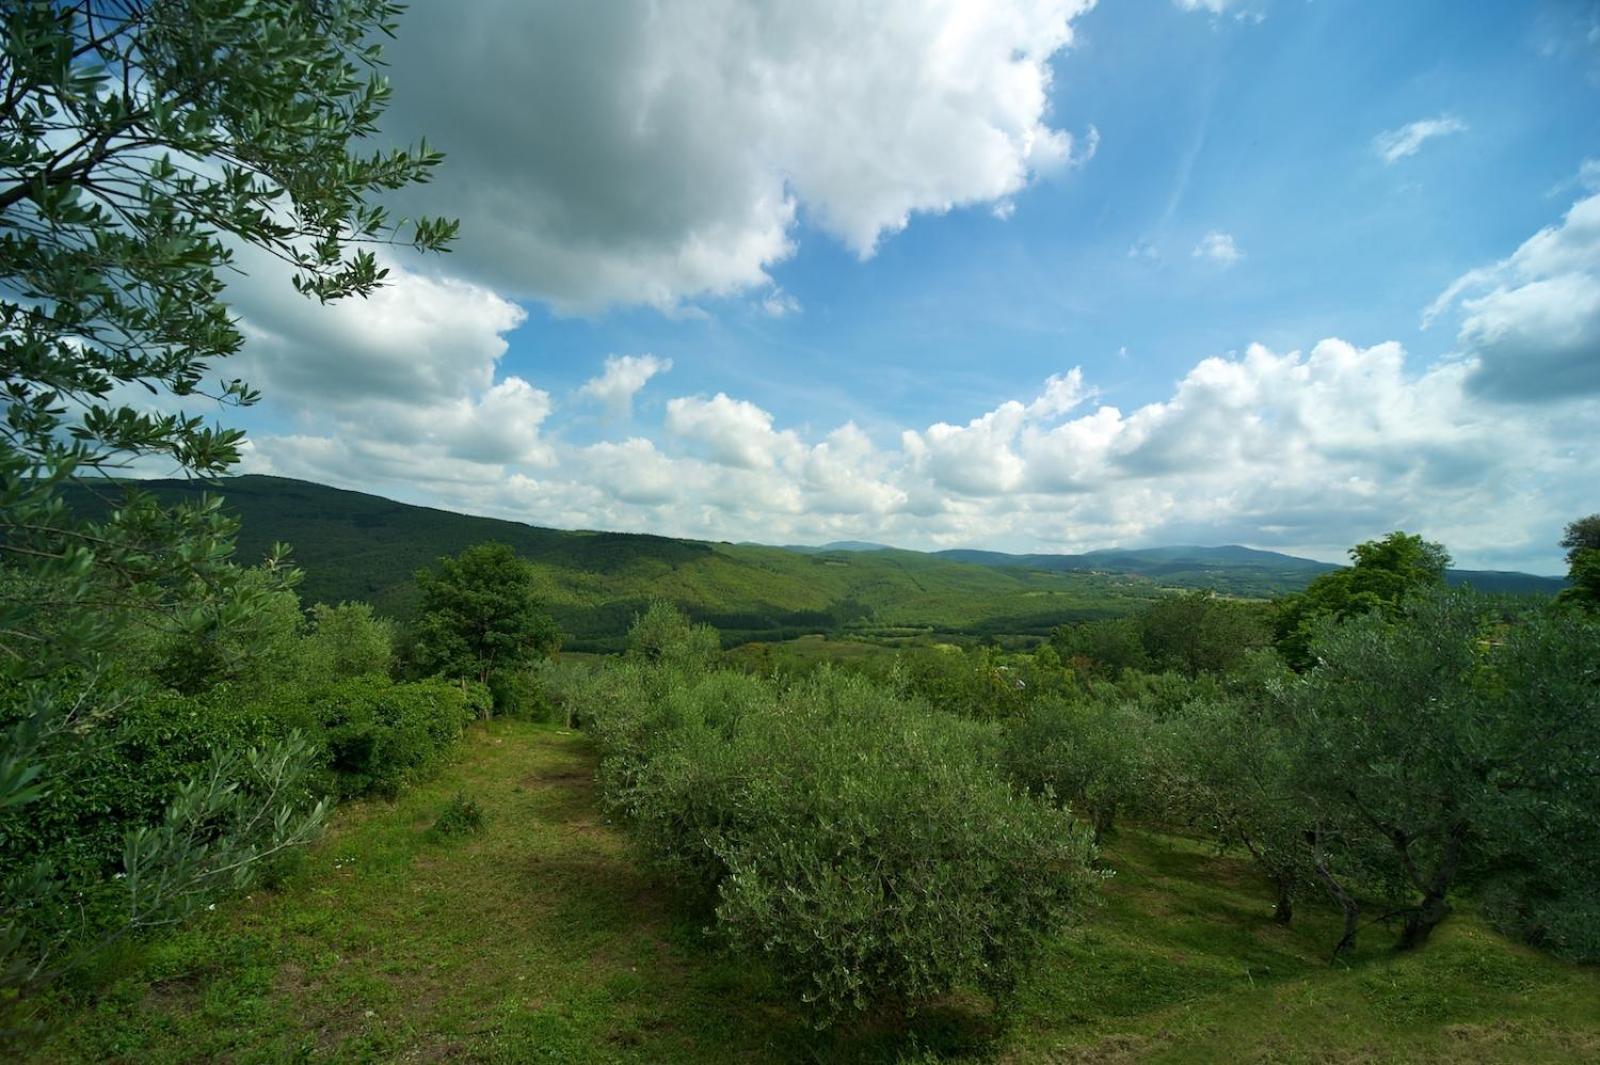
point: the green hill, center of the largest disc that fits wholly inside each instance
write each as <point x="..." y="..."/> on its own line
<point x="357" y="546"/>
<point x="1232" y="568"/>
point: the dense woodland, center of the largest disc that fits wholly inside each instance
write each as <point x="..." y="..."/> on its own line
<point x="877" y="833"/>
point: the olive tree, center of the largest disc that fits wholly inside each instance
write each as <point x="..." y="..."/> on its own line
<point x="143" y="144"/>
<point x="1434" y="736"/>
<point x="481" y="613"/>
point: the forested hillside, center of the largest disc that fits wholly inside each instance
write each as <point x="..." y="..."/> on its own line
<point x="355" y="546"/>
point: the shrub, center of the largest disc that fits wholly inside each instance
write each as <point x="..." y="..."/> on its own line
<point x="462" y="817"/>
<point x="157" y="804"/>
<point x="381" y="734"/>
<point x="518" y="693"/>
<point x="663" y="633"/>
<point x="1090" y="754"/>
<point x="862" y="843"/>
<point x="346" y="641"/>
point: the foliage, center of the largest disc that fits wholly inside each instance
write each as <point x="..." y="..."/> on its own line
<point x="1226" y="767"/>
<point x="1104" y="648"/>
<point x="1581" y="534"/>
<point x="480" y="613"/>
<point x="461" y="817"/>
<point x="1178" y="963"/>
<point x="1460" y="727"/>
<point x="174" y="807"/>
<point x="1200" y="632"/>
<point x="143" y="145"/>
<point x="664" y="634"/>
<point x="1382" y="573"/>
<point x="1584" y="575"/>
<point x="1092" y="753"/>
<point x="381" y="734"/>
<point x="860" y="842"/>
<point x="348" y="640"/>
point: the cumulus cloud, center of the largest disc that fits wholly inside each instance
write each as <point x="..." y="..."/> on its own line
<point x="1531" y="322"/>
<point x="621" y="380"/>
<point x="656" y="151"/>
<point x="1396" y="144"/>
<point x="1219" y="247"/>
<point x="1301" y="451"/>
<point x="779" y="304"/>
<point x="732" y="432"/>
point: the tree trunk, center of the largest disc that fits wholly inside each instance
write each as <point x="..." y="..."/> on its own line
<point x="1283" y="909"/>
<point x="1435" y="907"/>
<point x="1346" y="901"/>
<point x="1104" y="817"/>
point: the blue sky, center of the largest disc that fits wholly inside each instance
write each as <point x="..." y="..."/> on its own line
<point x="1237" y="174"/>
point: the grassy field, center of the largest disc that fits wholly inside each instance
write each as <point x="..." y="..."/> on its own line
<point x="539" y="939"/>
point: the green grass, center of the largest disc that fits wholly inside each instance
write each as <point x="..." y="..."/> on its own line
<point x="537" y="938"/>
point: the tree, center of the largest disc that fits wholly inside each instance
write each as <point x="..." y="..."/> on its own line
<point x="480" y="612"/>
<point x="1382" y="573"/>
<point x="1109" y="646"/>
<point x="142" y="144"/>
<point x="1582" y="541"/>
<point x="1460" y="720"/>
<point x="1200" y="632"/>
<point x="664" y="634"/>
<point x="348" y="640"/>
<point x="1227" y="768"/>
<point x="1582" y="534"/>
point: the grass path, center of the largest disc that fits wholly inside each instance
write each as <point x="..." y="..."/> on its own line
<point x="538" y="939"/>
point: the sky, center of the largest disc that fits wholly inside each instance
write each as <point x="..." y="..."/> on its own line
<point x="1031" y="275"/>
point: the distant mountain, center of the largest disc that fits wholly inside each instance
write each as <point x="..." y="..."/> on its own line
<point x="1232" y="568"/>
<point x="838" y="545"/>
<point x="357" y="546"/>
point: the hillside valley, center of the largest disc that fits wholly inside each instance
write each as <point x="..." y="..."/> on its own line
<point x="357" y="546"/>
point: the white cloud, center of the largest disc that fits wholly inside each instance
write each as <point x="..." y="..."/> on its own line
<point x="1532" y="331"/>
<point x="1396" y="144"/>
<point x="1218" y="247"/>
<point x="657" y="151"/>
<point x="731" y="431"/>
<point x="779" y="304"/>
<point x="1305" y="452"/>
<point x="623" y="377"/>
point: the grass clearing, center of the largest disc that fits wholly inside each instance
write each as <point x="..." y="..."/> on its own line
<point x="537" y="938"/>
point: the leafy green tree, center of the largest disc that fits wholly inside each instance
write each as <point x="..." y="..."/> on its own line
<point x="1582" y="541"/>
<point x="1226" y="766"/>
<point x="1582" y="534"/>
<point x="142" y="142"/>
<point x="1104" y="647"/>
<point x="348" y="640"/>
<point x="1381" y="574"/>
<point x="1458" y="721"/>
<point x="664" y="634"/>
<point x="1200" y="632"/>
<point x="1584" y="580"/>
<point x="480" y="612"/>
<point x="1091" y="755"/>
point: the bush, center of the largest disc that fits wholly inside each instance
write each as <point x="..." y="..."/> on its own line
<point x="861" y="842"/>
<point x="381" y="734"/>
<point x="462" y="817"/>
<point x="664" y="634"/>
<point x="518" y="693"/>
<point x="346" y="641"/>
<point x="1090" y="754"/>
<point x="155" y="804"/>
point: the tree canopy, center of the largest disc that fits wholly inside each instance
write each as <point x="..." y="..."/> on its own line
<point x="481" y="613"/>
<point x="1381" y="574"/>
